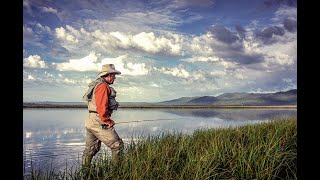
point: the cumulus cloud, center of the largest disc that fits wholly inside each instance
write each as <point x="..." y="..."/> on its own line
<point x="282" y="54"/>
<point x="202" y="45"/>
<point x="224" y="58"/>
<point x="63" y="35"/>
<point x="34" y="61"/>
<point x="179" y="71"/>
<point x="126" y="68"/>
<point x="92" y="63"/>
<point x="72" y="39"/>
<point x="87" y="63"/>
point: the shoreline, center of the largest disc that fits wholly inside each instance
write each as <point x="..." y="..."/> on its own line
<point x="163" y="106"/>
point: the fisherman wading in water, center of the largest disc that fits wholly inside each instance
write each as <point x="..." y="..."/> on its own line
<point x="98" y="123"/>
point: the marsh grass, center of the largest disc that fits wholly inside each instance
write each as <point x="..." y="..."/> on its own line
<point x="259" y="151"/>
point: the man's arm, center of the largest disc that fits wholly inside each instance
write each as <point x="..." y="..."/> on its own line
<point x="102" y="93"/>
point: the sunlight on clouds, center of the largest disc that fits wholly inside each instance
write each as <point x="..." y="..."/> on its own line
<point x="202" y="59"/>
<point x="63" y="35"/>
<point x="73" y="31"/>
<point x="85" y="64"/>
<point x="124" y="39"/>
<point x="91" y="63"/>
<point x="30" y="77"/>
<point x="28" y="134"/>
<point x="73" y="39"/>
<point x="198" y="75"/>
<point x="146" y="42"/>
<point x="176" y="71"/>
<point x="133" y="69"/>
<point x="150" y="43"/>
<point x="282" y="53"/>
<point x="202" y="44"/>
<point x="34" y="61"/>
<point x="136" y="69"/>
<point x="49" y="10"/>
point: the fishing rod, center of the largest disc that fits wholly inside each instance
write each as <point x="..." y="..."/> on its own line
<point x="143" y="120"/>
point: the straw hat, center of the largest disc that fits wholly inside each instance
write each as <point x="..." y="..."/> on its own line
<point x="108" y="69"/>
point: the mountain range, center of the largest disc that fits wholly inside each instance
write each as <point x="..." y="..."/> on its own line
<point x="282" y="98"/>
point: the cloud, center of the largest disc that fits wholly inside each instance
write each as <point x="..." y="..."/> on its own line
<point x="150" y="43"/>
<point x="191" y="3"/>
<point x="29" y="37"/>
<point x="72" y="39"/>
<point x="87" y="63"/>
<point x="146" y="43"/>
<point x="223" y="34"/>
<point x="49" y="10"/>
<point x="30" y="77"/>
<point x="290" y="24"/>
<point x="202" y="59"/>
<point x="267" y="34"/>
<point x="34" y="61"/>
<point x="277" y="3"/>
<point x="175" y="71"/>
<point x="62" y="34"/>
<point x="134" y="22"/>
<point x="282" y="54"/>
<point x="241" y="31"/>
<point x="91" y="63"/>
<point x="42" y="29"/>
<point x="126" y="68"/>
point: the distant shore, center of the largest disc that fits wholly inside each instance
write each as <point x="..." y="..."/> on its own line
<point x="32" y="105"/>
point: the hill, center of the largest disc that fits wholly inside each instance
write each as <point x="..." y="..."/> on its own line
<point x="238" y="99"/>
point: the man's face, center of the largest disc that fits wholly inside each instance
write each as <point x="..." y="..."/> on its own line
<point x="110" y="78"/>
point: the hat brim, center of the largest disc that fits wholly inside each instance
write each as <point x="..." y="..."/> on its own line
<point x="108" y="72"/>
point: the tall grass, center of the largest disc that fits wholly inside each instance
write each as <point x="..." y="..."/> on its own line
<point x="260" y="151"/>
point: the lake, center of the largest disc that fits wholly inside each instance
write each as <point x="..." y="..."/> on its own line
<point x="55" y="138"/>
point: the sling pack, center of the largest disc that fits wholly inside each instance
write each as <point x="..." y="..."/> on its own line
<point x="113" y="104"/>
<point x="88" y="95"/>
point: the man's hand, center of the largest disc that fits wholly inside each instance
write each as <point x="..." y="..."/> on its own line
<point x="109" y="123"/>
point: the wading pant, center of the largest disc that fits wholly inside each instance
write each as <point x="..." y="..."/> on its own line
<point x="95" y="135"/>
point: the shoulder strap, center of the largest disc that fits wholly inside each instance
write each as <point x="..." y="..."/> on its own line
<point x="88" y="95"/>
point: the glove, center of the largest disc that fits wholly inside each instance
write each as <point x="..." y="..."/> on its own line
<point x="110" y="123"/>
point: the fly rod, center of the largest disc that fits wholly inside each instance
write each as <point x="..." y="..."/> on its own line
<point x="144" y="120"/>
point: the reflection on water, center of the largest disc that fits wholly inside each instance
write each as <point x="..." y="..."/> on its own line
<point x="55" y="137"/>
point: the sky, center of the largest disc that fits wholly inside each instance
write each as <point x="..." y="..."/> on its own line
<point x="165" y="49"/>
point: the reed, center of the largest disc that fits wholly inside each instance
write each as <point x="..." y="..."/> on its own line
<point x="259" y="151"/>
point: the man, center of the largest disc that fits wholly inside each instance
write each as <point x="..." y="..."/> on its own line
<point x="99" y="125"/>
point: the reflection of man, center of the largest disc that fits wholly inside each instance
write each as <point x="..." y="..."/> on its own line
<point x="99" y="126"/>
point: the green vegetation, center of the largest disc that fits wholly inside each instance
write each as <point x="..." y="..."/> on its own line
<point x="260" y="151"/>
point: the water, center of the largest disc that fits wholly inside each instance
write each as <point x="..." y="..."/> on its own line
<point x="54" y="138"/>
